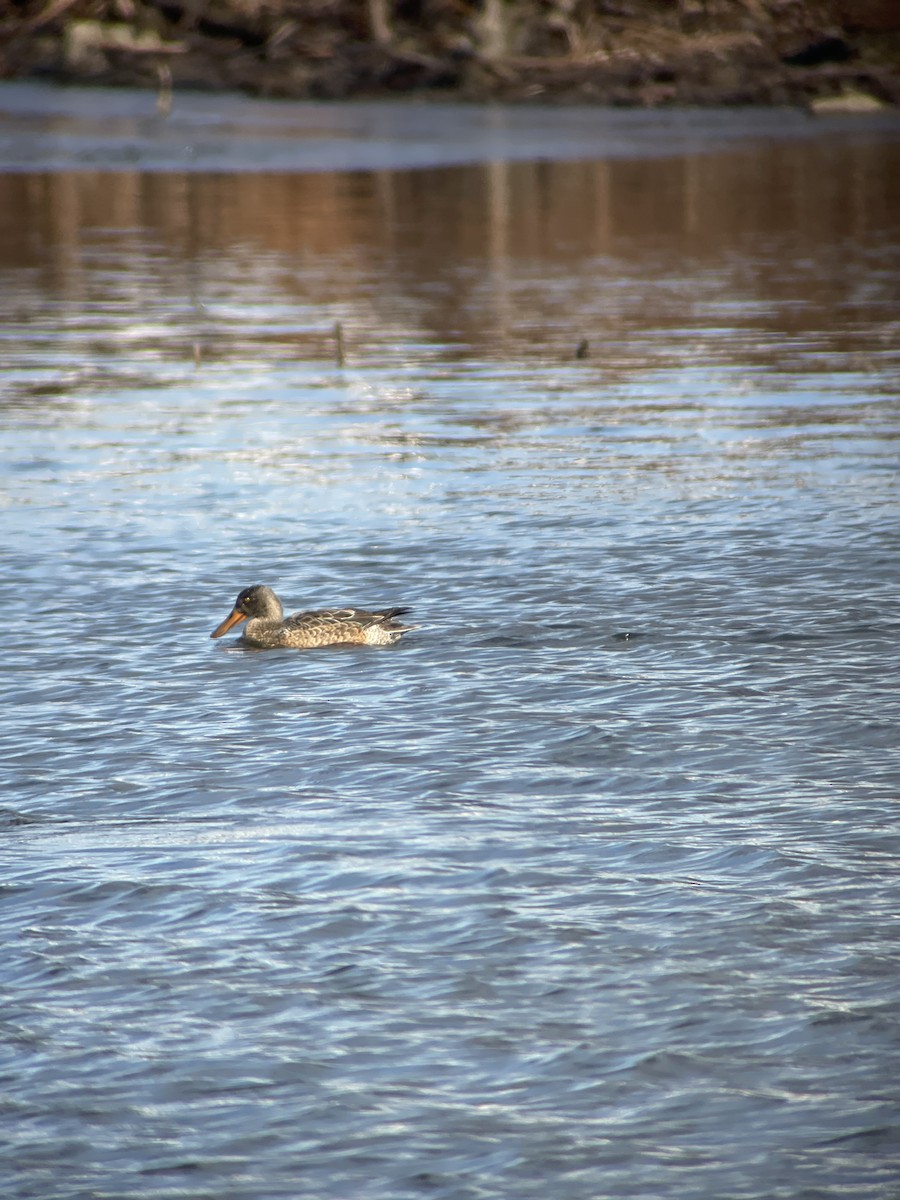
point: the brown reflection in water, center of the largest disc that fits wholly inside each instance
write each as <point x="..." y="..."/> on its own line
<point x="516" y="256"/>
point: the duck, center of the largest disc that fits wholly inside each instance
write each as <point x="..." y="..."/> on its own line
<point x="268" y="628"/>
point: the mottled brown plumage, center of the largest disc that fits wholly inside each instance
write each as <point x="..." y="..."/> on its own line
<point x="268" y="628"/>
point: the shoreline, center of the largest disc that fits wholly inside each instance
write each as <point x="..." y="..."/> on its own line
<point x="818" y="56"/>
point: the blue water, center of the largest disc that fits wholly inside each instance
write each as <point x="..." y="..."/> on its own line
<point x="589" y="887"/>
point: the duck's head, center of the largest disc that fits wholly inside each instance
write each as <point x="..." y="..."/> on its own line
<point x="257" y="601"/>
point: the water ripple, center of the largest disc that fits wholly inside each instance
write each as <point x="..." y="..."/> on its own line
<point x="588" y="887"/>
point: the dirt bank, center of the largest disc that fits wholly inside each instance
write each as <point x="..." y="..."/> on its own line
<point x="623" y="52"/>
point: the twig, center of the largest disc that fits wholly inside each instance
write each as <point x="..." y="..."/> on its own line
<point x="164" y="89"/>
<point x="340" y="357"/>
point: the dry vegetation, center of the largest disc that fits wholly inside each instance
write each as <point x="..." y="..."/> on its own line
<point x="646" y="52"/>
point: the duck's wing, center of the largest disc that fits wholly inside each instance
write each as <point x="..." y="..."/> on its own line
<point x="326" y="617"/>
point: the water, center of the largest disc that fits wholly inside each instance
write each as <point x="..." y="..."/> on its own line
<point x="589" y="886"/>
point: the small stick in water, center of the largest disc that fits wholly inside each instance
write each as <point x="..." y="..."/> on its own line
<point x="340" y="357"/>
<point x="582" y="349"/>
<point x="164" y="90"/>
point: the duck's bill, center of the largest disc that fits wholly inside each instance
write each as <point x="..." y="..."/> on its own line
<point x="233" y="618"/>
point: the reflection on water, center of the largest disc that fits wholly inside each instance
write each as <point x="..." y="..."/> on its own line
<point x="462" y="244"/>
<point x="588" y="887"/>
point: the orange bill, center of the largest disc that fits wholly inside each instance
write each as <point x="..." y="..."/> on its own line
<point x="234" y="618"/>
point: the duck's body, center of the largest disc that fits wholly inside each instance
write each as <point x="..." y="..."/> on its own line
<point x="268" y="628"/>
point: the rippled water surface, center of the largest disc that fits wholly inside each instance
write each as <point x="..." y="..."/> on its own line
<point x="589" y="887"/>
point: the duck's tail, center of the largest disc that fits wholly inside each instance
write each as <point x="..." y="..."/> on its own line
<point x="389" y="617"/>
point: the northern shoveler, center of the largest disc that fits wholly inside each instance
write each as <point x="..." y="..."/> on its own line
<point x="268" y="627"/>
